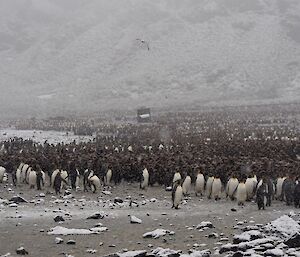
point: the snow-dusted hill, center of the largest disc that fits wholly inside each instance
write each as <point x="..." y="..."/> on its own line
<point x="57" y="55"/>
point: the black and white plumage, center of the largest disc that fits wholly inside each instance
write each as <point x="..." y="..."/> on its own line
<point x="177" y="194"/>
<point x="145" y="179"/>
<point x="2" y="173"/>
<point x="200" y="184"/>
<point x="186" y="186"/>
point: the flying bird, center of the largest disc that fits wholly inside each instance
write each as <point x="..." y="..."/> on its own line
<point x="144" y="43"/>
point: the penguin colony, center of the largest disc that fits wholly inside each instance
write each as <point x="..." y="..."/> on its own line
<point x="263" y="191"/>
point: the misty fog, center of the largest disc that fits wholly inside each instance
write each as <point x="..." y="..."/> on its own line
<point x="76" y="56"/>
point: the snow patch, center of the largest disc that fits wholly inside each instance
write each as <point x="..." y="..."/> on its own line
<point x="158" y="233"/>
<point x="58" y="230"/>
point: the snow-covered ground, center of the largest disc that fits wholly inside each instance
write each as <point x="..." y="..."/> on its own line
<point x="53" y="137"/>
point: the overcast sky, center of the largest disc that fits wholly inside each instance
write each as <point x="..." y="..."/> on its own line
<point x="63" y="56"/>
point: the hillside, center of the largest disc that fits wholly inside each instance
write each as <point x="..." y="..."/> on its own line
<point x="62" y="55"/>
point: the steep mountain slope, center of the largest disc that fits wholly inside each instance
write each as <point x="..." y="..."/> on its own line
<point x="83" y="55"/>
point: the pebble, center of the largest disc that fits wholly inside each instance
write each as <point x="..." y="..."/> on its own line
<point x="71" y="242"/>
<point x="58" y="240"/>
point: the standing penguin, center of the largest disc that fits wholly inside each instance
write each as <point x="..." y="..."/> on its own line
<point x="108" y="177"/>
<point x="209" y="183"/>
<point x="64" y="175"/>
<point x="95" y="183"/>
<point x="177" y="194"/>
<point x="176" y="177"/>
<point x="297" y="195"/>
<point x="57" y="182"/>
<point x="200" y="183"/>
<point x="250" y="187"/>
<point x="77" y="179"/>
<point x="2" y="172"/>
<point x="24" y="173"/>
<point x="289" y="190"/>
<point x="270" y="191"/>
<point x="216" y="188"/>
<point x="231" y="187"/>
<point x="32" y="178"/>
<point x="27" y="175"/>
<point x="18" y="176"/>
<point x="279" y="185"/>
<point x="87" y="173"/>
<point x="241" y="193"/>
<point x="186" y="186"/>
<point x="53" y="175"/>
<point x="261" y="196"/>
<point x="40" y="178"/>
<point x="145" y="179"/>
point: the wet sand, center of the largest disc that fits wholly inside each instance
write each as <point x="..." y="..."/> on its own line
<point x="27" y="225"/>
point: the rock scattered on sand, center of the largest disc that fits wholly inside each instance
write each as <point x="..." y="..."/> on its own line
<point x="135" y="220"/>
<point x="91" y="251"/>
<point x="6" y="255"/>
<point x="118" y="200"/>
<point x="99" y="229"/>
<point x="136" y="253"/>
<point x="58" y="240"/>
<point x="158" y="233"/>
<point x="58" y="230"/>
<point x="247" y="236"/>
<point x="71" y="242"/>
<point x="18" y="199"/>
<point x="96" y="216"/>
<point x="213" y="235"/>
<point x="205" y="224"/>
<point x="267" y="240"/>
<point x="21" y="251"/>
<point x="283" y="226"/>
<point x="161" y="252"/>
<point x="294" y="241"/>
<point x="59" y="218"/>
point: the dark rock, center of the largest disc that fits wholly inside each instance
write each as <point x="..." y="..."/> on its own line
<point x="112" y="255"/>
<point x="118" y="200"/>
<point x="233" y="209"/>
<point x="205" y="224"/>
<point x="213" y="235"/>
<point x="130" y="253"/>
<point x="59" y="218"/>
<point x="67" y="193"/>
<point x="248" y="228"/>
<point x="238" y="254"/>
<point x="71" y="242"/>
<point x="294" y="241"/>
<point x="96" y="216"/>
<point x="21" y="251"/>
<point x="228" y="248"/>
<point x="18" y="199"/>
